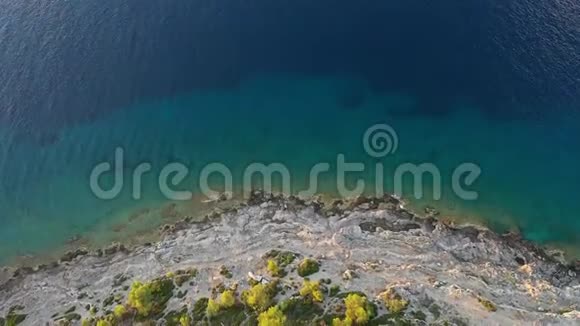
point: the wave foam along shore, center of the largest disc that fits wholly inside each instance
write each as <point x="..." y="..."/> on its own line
<point x="444" y="273"/>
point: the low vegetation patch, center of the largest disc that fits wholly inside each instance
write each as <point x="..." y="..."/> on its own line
<point x="120" y="311"/>
<point x="261" y="296"/>
<point x="311" y="290"/>
<point x="182" y="276"/>
<point x="393" y="301"/>
<point x="308" y="267"/>
<point x="150" y="299"/>
<point x="226" y="301"/>
<point x="282" y="258"/>
<point x="225" y="272"/>
<point x="272" y="317"/>
<point x="14" y="317"/>
<point x="300" y="311"/>
<point x="488" y="305"/>
<point x="274" y="269"/>
<point x="359" y="311"/>
<point x="178" y="318"/>
<point x="315" y="302"/>
<point x="200" y="308"/>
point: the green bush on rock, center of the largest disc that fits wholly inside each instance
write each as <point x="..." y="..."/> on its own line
<point x="358" y="311"/>
<point x="185" y="320"/>
<point x="199" y="308"/>
<point x="308" y="267"/>
<point x="260" y="297"/>
<point x="104" y="323"/>
<point x="334" y="290"/>
<point x="272" y="317"/>
<point x="120" y="311"/>
<point x="300" y="311"/>
<point x="227" y="299"/>
<point x="274" y="269"/>
<point x="488" y="305"/>
<point x="178" y="318"/>
<point x="282" y="258"/>
<point x="149" y="299"/>
<point x="182" y="276"/>
<point x="311" y="290"/>
<point x="213" y="308"/>
<point x="338" y="322"/>
<point x="108" y="320"/>
<point x="13" y="318"/>
<point x="225" y="272"/>
<point x="393" y="301"/>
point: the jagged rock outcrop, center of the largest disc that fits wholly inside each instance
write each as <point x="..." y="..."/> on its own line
<point x="456" y="274"/>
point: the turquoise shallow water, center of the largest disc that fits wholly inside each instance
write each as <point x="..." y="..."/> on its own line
<point x="528" y="180"/>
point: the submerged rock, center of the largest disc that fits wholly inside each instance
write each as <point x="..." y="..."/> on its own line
<point x="71" y="255"/>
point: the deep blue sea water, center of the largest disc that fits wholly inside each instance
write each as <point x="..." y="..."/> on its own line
<point x="295" y="82"/>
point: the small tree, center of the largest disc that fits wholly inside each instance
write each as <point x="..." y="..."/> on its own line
<point x="227" y="299"/>
<point x="394" y="301"/>
<point x="150" y="298"/>
<point x="213" y="308"/>
<point x="356" y="309"/>
<point x="312" y="290"/>
<point x="259" y="297"/>
<point x="274" y="269"/>
<point x="272" y="317"/>
<point x="346" y="322"/>
<point x="120" y="311"/>
<point x="308" y="267"/>
<point x="184" y="320"/>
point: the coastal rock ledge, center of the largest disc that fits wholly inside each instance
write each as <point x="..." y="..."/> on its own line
<point x="283" y="261"/>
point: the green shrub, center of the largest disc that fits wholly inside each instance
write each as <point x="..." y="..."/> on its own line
<point x="213" y="308"/>
<point x="311" y="290"/>
<point x="308" y="267"/>
<point x="184" y="320"/>
<point x="182" y="276"/>
<point x="488" y="305"/>
<point x="260" y="297"/>
<point x="334" y="290"/>
<point x="13" y="319"/>
<point x="274" y="269"/>
<point x="300" y="311"/>
<point x="227" y="299"/>
<point x="282" y="258"/>
<point x="338" y="322"/>
<point x="178" y="318"/>
<point x="272" y="317"/>
<point x="120" y="311"/>
<point x="393" y="301"/>
<point x="199" y="308"/>
<point x="419" y="315"/>
<point x="356" y="309"/>
<point x="225" y="272"/>
<point x="150" y="298"/>
<point x="103" y="323"/>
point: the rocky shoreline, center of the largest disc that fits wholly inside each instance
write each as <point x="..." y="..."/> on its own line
<point x="408" y="269"/>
